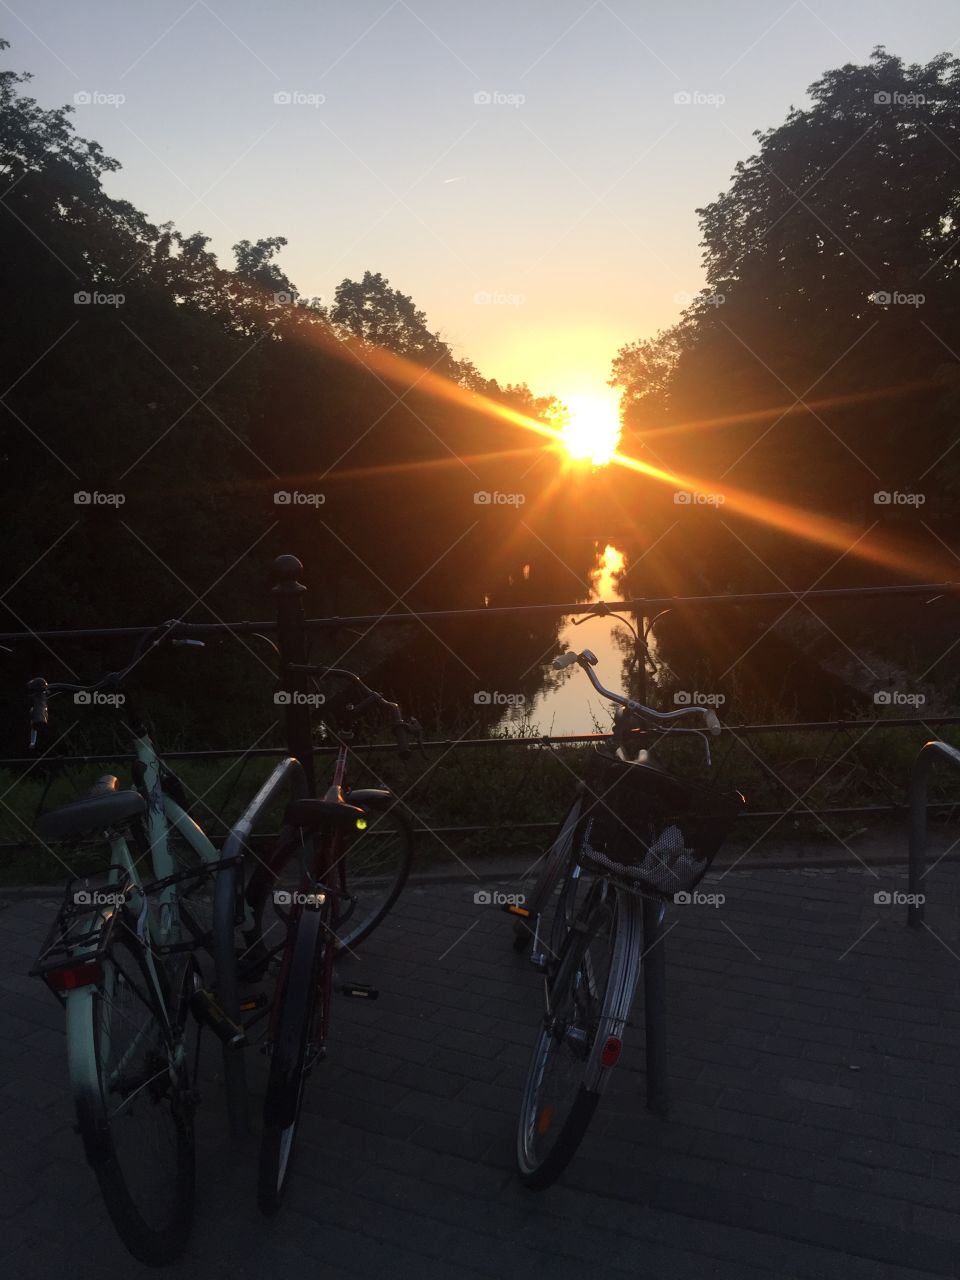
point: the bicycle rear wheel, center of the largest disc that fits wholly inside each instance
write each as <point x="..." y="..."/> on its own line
<point x="130" y="1075"/>
<point x="570" y="1063"/>
<point x="298" y="1015"/>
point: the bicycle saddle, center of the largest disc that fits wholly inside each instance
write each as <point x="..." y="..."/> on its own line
<point x="104" y="805"/>
<point x="313" y="814"/>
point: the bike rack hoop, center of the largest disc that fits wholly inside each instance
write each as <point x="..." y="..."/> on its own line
<point x="930" y="752"/>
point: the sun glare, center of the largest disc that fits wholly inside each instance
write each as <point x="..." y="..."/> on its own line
<point x="591" y="429"/>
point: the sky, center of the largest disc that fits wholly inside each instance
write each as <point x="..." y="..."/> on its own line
<point x="528" y="171"/>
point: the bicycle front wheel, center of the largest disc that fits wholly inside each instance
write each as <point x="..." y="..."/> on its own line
<point x="130" y="1074"/>
<point x="568" y="1071"/>
<point x="294" y="1048"/>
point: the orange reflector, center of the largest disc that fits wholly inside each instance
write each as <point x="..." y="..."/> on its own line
<point x="545" y="1118"/>
<point x="611" y="1052"/>
<point x="514" y="910"/>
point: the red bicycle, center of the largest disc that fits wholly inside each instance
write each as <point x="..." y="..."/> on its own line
<point x="338" y="867"/>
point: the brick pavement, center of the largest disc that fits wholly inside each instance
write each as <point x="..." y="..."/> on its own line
<point x="814" y="1050"/>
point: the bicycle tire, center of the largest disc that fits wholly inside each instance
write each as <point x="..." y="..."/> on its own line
<point x="297" y="1001"/>
<point x="154" y="1232"/>
<point x="540" y="1166"/>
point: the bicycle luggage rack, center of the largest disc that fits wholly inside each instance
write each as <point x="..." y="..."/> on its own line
<point x="67" y="943"/>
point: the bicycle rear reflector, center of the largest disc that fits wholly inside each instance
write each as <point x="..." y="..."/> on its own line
<point x="86" y="973"/>
<point x="512" y="909"/>
<point x="361" y="824"/>
<point x="611" y="1052"/>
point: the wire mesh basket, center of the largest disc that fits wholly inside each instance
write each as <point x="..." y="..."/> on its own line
<point x="652" y="829"/>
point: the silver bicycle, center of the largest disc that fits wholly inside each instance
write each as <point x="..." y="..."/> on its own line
<point x="634" y="830"/>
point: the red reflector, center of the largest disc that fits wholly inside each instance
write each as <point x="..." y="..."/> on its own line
<point x="611" y="1052"/>
<point x="86" y="974"/>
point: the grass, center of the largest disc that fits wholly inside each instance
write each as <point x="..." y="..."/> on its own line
<point x="503" y="788"/>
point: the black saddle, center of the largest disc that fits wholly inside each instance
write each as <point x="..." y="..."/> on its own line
<point x="104" y="805"/>
<point x="313" y="814"/>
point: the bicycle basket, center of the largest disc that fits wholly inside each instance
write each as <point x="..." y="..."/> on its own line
<point x="650" y="828"/>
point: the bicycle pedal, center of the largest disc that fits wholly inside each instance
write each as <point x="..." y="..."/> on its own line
<point x="207" y="1011"/>
<point x="539" y="962"/>
<point x="360" y="991"/>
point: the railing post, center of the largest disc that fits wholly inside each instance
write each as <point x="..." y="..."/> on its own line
<point x="291" y="639"/>
<point x="918" y="833"/>
<point x="655" y="1006"/>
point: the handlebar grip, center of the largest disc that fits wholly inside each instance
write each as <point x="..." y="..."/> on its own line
<point x="713" y="724"/>
<point x="38" y="690"/>
<point x="564" y="660"/>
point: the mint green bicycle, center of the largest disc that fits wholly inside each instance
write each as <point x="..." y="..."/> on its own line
<point x="122" y="957"/>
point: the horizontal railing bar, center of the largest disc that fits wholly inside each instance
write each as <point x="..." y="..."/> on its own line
<point x="637" y="604"/>
<point x="765" y="815"/>
<point x="566" y="739"/>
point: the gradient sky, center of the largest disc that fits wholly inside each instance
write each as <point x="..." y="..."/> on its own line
<point x="573" y="209"/>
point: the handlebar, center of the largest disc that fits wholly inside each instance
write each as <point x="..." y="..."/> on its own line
<point x="588" y="661"/>
<point x="402" y="728"/>
<point x="39" y="689"/>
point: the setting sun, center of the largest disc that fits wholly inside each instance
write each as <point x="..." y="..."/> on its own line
<point x="591" y="429"/>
